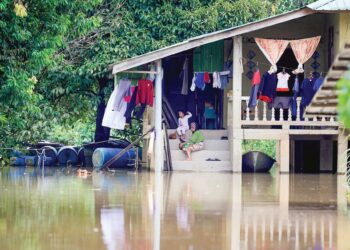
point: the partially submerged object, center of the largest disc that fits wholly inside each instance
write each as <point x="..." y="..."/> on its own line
<point x="257" y="162"/>
<point x="103" y="155"/>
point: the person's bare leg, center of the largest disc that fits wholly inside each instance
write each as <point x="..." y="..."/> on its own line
<point x="188" y="151"/>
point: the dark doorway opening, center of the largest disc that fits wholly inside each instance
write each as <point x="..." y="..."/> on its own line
<point x="307" y="156"/>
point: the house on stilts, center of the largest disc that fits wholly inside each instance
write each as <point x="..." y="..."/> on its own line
<point x="308" y="135"/>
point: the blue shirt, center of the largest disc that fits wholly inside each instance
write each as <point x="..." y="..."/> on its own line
<point x="307" y="91"/>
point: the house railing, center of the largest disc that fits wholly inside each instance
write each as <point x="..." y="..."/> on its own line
<point x="263" y="115"/>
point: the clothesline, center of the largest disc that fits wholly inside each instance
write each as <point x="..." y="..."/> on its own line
<point x="225" y="72"/>
<point x="245" y="62"/>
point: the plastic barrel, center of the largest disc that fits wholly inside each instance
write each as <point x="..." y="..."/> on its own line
<point x="50" y="152"/>
<point x="102" y="155"/>
<point x="67" y="155"/>
<point x="33" y="161"/>
<point x="81" y="156"/>
<point x="18" y="161"/>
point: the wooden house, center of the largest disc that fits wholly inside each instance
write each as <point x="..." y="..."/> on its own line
<point x="318" y="140"/>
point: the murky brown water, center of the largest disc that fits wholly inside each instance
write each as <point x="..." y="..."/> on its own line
<point x="128" y="210"/>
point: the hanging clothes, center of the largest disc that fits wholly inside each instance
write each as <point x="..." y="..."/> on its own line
<point x="129" y="95"/>
<point x="256" y="79"/>
<point x="123" y="90"/>
<point x="193" y="85"/>
<point x="184" y="74"/>
<point x="318" y="83"/>
<point x="282" y="84"/>
<point x="199" y="81"/>
<point x="224" y="75"/>
<point x="206" y="78"/>
<point x="113" y="118"/>
<point x="281" y="102"/>
<point x="130" y="106"/>
<point x="253" y="98"/>
<point x="267" y="88"/>
<point x="294" y="105"/>
<point x="216" y="80"/>
<point x="307" y="91"/>
<point x="145" y="92"/>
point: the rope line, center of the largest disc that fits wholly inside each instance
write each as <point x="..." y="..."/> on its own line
<point x="245" y="62"/>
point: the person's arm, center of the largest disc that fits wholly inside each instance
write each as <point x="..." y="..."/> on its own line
<point x="189" y="115"/>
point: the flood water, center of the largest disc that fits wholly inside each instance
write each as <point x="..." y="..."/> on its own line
<point x="56" y="209"/>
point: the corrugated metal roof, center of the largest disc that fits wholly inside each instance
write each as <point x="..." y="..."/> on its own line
<point x="330" y="5"/>
<point x="325" y="101"/>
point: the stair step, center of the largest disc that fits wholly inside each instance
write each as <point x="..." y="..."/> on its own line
<point x="223" y="155"/>
<point x="208" y="144"/>
<point x="208" y="134"/>
<point x="202" y="166"/>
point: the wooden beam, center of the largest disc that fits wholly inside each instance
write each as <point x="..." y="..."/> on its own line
<point x="208" y="38"/>
<point x="140" y="72"/>
<point x="330" y="104"/>
<point x="326" y="97"/>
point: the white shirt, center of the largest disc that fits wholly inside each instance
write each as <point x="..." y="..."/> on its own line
<point x="282" y="84"/>
<point x="183" y="122"/>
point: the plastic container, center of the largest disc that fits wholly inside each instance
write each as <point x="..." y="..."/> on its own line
<point x="67" y="155"/>
<point x="102" y="155"/>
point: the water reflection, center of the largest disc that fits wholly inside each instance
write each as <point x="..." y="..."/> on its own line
<point x="55" y="209"/>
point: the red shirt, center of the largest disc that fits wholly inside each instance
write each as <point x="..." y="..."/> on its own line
<point x="145" y="92"/>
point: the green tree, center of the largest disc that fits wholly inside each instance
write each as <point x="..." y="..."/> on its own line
<point x="54" y="54"/>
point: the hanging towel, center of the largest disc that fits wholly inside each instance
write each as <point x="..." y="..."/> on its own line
<point x="113" y="118"/>
<point x="184" y="90"/>
<point x="123" y="90"/>
<point x="145" y="92"/>
<point x="224" y="79"/>
<point x="216" y="80"/>
<point x="193" y="85"/>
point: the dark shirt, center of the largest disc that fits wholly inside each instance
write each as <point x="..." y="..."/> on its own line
<point x="267" y="89"/>
<point x="307" y="91"/>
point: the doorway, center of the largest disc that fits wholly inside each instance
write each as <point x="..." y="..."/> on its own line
<point x="307" y="156"/>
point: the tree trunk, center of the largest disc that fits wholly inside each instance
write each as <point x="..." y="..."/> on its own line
<point x="101" y="133"/>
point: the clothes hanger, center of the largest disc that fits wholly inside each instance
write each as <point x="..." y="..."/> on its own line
<point x="284" y="70"/>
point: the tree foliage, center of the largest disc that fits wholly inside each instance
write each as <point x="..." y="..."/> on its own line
<point x="54" y="53"/>
<point x="344" y="99"/>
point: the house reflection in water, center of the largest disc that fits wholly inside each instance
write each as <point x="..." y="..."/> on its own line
<point x="173" y="211"/>
<point x="225" y="211"/>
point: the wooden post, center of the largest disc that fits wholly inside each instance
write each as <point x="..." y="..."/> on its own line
<point x="342" y="150"/>
<point x="158" y="119"/>
<point x="236" y="148"/>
